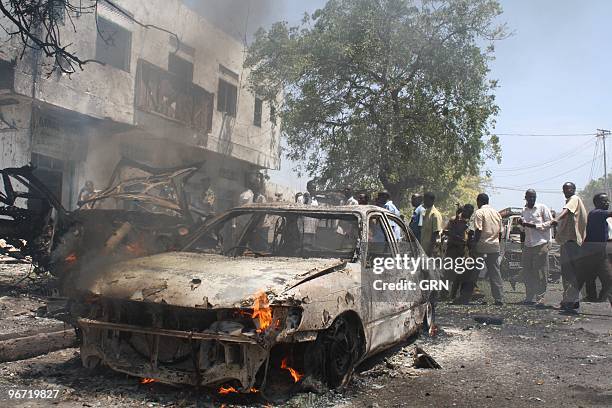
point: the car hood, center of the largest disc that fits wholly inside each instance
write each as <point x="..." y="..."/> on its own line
<point x="201" y="280"/>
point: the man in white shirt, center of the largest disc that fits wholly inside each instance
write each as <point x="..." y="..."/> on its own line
<point x="416" y="222"/>
<point x="537" y="221"/>
<point x="348" y="196"/>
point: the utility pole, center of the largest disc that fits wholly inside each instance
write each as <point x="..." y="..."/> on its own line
<point x="603" y="133"/>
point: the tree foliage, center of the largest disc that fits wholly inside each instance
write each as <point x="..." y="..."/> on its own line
<point x="593" y="187"/>
<point x="465" y="192"/>
<point x="390" y="93"/>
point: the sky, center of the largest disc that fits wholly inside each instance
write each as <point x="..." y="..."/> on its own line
<point x="554" y="77"/>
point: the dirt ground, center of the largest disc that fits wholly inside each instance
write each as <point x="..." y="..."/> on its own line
<point x="534" y="358"/>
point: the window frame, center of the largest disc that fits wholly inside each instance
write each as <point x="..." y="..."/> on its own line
<point x="175" y="61"/>
<point x="386" y="230"/>
<point x="412" y="239"/>
<point x="222" y="97"/>
<point x="127" y="57"/>
<point x="258" y="113"/>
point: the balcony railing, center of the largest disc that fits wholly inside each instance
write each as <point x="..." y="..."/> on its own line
<point x="163" y="93"/>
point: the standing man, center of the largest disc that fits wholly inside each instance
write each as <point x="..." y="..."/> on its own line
<point x="348" y="196"/>
<point x="363" y="199"/>
<point x="537" y="220"/>
<point x="487" y="226"/>
<point x="432" y="224"/>
<point x="383" y="199"/>
<point x="416" y="222"/>
<point x="571" y="232"/>
<point x="596" y="259"/>
<point x="457" y="231"/>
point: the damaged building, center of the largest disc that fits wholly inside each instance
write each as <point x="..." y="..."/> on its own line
<point x="170" y="90"/>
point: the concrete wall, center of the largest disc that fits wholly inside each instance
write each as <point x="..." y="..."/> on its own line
<point x="15" y="140"/>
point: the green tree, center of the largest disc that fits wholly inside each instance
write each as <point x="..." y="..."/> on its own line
<point x="465" y="192"/>
<point x="593" y="187"/>
<point x="390" y="93"/>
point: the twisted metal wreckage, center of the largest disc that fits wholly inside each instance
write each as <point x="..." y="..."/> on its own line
<point x="263" y="298"/>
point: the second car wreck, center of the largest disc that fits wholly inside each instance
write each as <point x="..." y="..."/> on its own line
<point x="143" y="210"/>
<point x="262" y="297"/>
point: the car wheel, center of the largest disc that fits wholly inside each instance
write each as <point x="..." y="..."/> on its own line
<point x="429" y="319"/>
<point x="341" y="352"/>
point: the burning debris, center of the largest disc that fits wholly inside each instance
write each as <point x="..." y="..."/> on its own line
<point x="143" y="211"/>
<point x="227" y="390"/>
<point x="294" y="374"/>
<point x="262" y="312"/>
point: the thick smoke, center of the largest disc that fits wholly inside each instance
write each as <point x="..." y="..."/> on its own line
<point x="234" y="16"/>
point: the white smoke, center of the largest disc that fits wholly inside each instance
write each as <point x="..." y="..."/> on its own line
<point x="240" y="18"/>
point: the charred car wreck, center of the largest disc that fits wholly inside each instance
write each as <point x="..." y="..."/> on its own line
<point x="263" y="296"/>
<point x="142" y="211"/>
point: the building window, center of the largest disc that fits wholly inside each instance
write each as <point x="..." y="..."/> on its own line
<point x="258" y="110"/>
<point x="227" y="97"/>
<point x="113" y="45"/>
<point x="226" y="71"/>
<point x="181" y="68"/>
<point x="272" y="114"/>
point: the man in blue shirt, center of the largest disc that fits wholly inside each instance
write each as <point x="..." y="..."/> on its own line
<point x="383" y="199"/>
<point x="596" y="263"/>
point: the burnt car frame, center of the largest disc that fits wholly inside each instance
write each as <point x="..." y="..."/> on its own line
<point x="130" y="217"/>
<point x="254" y="301"/>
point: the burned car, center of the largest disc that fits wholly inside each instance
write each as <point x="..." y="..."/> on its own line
<point x="143" y="210"/>
<point x="263" y="296"/>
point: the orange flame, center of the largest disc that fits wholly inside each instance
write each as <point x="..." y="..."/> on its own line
<point x="296" y="376"/>
<point x="262" y="311"/>
<point x="226" y="390"/>
<point x="71" y="258"/>
<point x="229" y="389"/>
<point x="147" y="380"/>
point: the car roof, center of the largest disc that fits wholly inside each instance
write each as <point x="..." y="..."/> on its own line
<point x="332" y="209"/>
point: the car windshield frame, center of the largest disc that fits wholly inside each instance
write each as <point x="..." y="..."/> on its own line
<point x="257" y="215"/>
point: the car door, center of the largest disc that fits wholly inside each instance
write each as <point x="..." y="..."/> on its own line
<point x="407" y="248"/>
<point x="387" y="307"/>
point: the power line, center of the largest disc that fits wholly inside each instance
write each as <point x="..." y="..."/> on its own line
<point x="545" y="164"/>
<point x="545" y="191"/>
<point x="560" y="174"/>
<point x="545" y="135"/>
<point x="593" y="165"/>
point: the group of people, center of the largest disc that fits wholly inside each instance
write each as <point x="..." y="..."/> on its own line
<point x="474" y="233"/>
<point x="462" y="241"/>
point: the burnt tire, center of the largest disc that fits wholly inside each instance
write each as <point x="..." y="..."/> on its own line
<point x="342" y="349"/>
